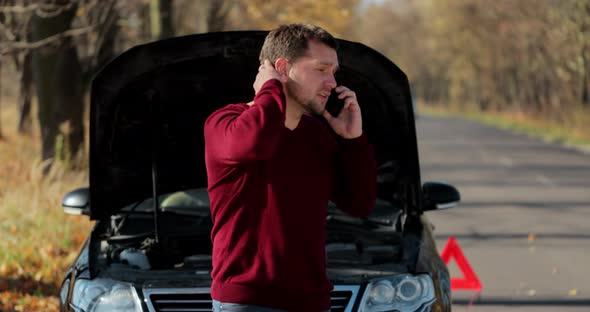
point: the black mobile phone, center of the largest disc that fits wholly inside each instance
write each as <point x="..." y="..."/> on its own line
<point x="334" y="104"/>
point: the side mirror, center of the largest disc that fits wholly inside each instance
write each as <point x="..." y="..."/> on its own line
<point x="77" y="202"/>
<point x="439" y="195"/>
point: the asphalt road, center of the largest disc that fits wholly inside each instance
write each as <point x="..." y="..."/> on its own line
<point x="524" y="219"/>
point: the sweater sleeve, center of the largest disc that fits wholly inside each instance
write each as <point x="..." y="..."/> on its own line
<point x="356" y="177"/>
<point x="235" y="136"/>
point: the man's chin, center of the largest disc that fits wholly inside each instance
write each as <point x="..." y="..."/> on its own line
<point x="315" y="108"/>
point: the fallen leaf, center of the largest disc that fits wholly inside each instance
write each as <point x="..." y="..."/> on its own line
<point x="532" y="292"/>
<point x="4" y="283"/>
<point x="532" y="237"/>
<point x="3" y="269"/>
<point x="572" y="292"/>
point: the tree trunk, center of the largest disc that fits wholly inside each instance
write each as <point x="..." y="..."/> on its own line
<point x="57" y="75"/>
<point x="25" y="96"/>
<point x="2" y="20"/>
<point x="166" y="19"/>
<point x="585" y="86"/>
<point x="105" y="51"/>
<point x="155" y="20"/>
<point x="217" y="15"/>
<point x="586" y="92"/>
<point x="1" y="136"/>
<point x="585" y="33"/>
<point x="161" y="19"/>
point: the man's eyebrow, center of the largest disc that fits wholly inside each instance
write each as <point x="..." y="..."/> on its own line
<point x="330" y="64"/>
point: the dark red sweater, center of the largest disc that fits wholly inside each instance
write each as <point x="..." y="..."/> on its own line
<point x="269" y="188"/>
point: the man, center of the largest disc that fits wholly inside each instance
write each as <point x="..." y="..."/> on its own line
<point x="272" y="167"/>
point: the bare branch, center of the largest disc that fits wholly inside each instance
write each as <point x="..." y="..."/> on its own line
<point x="42" y="9"/>
<point x="106" y="20"/>
<point x="6" y="48"/>
<point x="19" y="9"/>
<point x="7" y="33"/>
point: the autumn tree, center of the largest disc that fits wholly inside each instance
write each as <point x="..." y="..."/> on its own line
<point x="15" y="25"/>
<point x="59" y="45"/>
<point x="161" y="25"/>
<point x="56" y="68"/>
<point x="337" y="16"/>
<point x="574" y="18"/>
<point x="529" y="56"/>
<point x="67" y="41"/>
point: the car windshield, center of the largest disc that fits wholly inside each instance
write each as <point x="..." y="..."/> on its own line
<point x="195" y="202"/>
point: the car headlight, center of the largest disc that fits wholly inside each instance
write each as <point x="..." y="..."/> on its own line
<point x="399" y="293"/>
<point x="102" y="295"/>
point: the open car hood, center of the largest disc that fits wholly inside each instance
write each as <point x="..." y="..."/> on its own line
<point x="149" y="105"/>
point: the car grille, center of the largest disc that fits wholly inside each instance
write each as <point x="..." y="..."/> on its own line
<point x="340" y="300"/>
<point x="199" y="299"/>
<point x="181" y="302"/>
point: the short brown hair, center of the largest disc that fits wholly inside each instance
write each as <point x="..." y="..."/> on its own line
<point x="291" y="41"/>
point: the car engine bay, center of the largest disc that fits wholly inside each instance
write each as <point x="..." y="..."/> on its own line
<point x="184" y="242"/>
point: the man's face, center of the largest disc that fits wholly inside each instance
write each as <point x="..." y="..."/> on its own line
<point x="311" y="77"/>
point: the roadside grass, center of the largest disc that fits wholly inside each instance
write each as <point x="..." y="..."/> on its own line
<point x="573" y="131"/>
<point x="38" y="240"/>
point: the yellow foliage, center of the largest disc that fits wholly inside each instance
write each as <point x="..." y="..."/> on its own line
<point x="530" y="56"/>
<point x="40" y="241"/>
<point x="336" y="16"/>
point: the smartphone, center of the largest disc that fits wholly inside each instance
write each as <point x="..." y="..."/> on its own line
<point x="334" y="104"/>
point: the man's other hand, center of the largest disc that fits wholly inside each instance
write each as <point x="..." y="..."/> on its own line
<point x="266" y="72"/>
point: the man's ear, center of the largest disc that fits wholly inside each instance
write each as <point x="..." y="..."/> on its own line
<point x="282" y="67"/>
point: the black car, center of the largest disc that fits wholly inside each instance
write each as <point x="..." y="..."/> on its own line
<point x="148" y="108"/>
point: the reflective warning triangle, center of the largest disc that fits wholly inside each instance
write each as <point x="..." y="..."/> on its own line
<point x="469" y="280"/>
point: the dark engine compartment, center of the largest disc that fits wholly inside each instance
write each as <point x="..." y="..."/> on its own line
<point x="184" y="242"/>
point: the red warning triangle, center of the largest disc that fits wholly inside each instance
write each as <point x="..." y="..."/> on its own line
<point x="469" y="280"/>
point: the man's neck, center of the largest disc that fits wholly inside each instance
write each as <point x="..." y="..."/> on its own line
<point x="293" y="114"/>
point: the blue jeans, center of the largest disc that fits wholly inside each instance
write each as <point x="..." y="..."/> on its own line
<point x="226" y="306"/>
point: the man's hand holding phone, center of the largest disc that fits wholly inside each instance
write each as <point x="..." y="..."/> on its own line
<point x="348" y="124"/>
